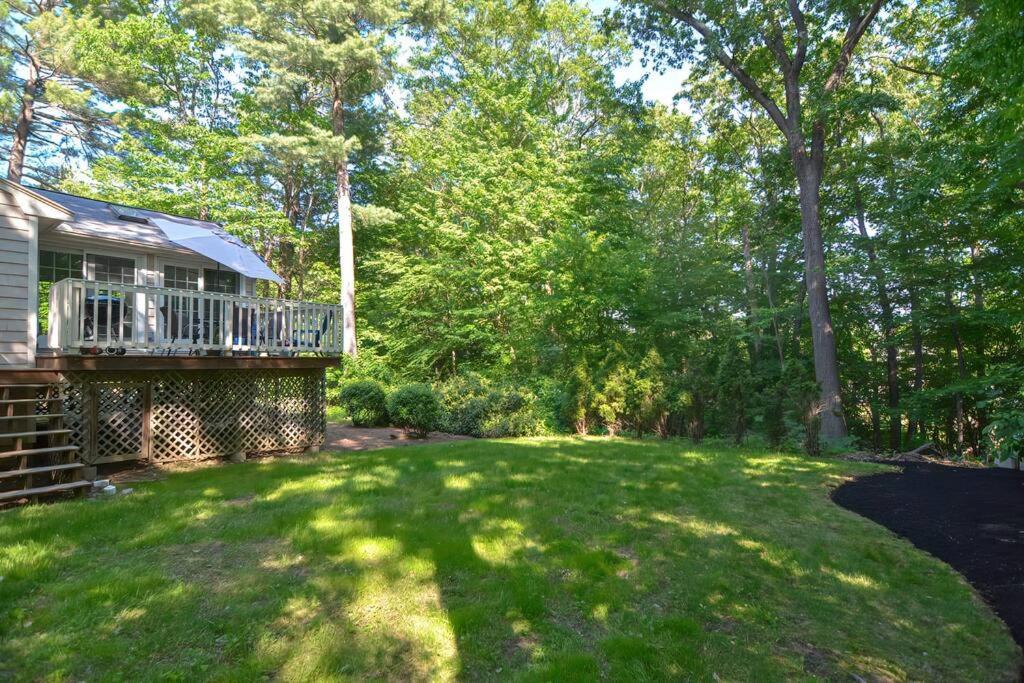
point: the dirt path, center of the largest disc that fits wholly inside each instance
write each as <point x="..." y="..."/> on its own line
<point x="342" y="437"/>
<point x="971" y="518"/>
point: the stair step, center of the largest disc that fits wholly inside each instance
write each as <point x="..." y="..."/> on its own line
<point x="38" y="451"/>
<point x="10" y="474"/>
<point x="41" y="416"/>
<point x="5" y="401"/>
<point x="43" y="490"/>
<point x="38" y="432"/>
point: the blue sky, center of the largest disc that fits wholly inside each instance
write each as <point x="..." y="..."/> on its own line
<point x="659" y="87"/>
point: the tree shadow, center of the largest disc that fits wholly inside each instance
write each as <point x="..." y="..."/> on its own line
<point x="547" y="559"/>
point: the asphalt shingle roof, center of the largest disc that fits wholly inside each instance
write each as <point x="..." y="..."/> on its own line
<point x="97" y="218"/>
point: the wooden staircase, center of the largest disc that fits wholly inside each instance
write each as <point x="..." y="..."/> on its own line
<point x="36" y="460"/>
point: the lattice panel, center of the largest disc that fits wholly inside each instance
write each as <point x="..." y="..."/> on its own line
<point x="174" y="419"/>
<point x="119" y="433"/>
<point x="195" y="415"/>
<point x="204" y="415"/>
<point x="105" y="417"/>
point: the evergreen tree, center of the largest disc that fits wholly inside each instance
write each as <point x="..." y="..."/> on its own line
<point x="336" y="57"/>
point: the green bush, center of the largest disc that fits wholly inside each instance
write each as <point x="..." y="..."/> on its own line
<point x="364" y="402"/>
<point x="611" y="400"/>
<point x="463" y="404"/>
<point x="578" y="408"/>
<point x="415" y="408"/>
<point x="511" y="412"/>
<point x="472" y="406"/>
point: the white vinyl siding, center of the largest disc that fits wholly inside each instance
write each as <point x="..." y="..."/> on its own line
<point x="15" y="243"/>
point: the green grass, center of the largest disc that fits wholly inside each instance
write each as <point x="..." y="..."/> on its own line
<point x="534" y="559"/>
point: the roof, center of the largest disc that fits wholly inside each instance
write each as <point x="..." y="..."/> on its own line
<point x="33" y="203"/>
<point x="96" y="218"/>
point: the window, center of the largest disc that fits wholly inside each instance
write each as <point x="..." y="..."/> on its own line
<point x="220" y="281"/>
<point x="179" y="277"/>
<point x="55" y="266"/>
<point x="111" y="269"/>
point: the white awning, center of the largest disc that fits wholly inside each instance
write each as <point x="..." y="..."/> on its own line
<point x="211" y="245"/>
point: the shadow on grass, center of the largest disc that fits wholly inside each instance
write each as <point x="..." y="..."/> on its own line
<point x="538" y="558"/>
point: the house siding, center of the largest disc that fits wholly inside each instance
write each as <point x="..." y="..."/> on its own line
<point x="16" y="235"/>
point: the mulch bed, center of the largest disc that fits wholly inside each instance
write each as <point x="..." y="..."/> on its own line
<point x="970" y="518"/>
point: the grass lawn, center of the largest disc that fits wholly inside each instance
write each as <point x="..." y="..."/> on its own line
<point x="536" y="559"/>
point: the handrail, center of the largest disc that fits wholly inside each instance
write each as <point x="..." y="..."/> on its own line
<point x="87" y="314"/>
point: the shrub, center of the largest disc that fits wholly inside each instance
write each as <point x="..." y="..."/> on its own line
<point x="470" y="405"/>
<point x="734" y="384"/>
<point x="580" y="399"/>
<point x="645" y="396"/>
<point x="611" y="401"/>
<point x="511" y="412"/>
<point x="364" y="402"/>
<point x="414" y="408"/>
<point x="464" y="404"/>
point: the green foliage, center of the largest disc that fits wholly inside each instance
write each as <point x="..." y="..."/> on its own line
<point x="473" y="406"/>
<point x="611" y="399"/>
<point x="1005" y="410"/>
<point x="804" y="418"/>
<point x="536" y="239"/>
<point x="734" y="385"/>
<point x="365" y="403"/>
<point x="644" y="399"/>
<point x="580" y="404"/>
<point x="414" y="408"/>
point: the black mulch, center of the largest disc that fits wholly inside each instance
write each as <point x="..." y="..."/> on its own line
<point x="970" y="518"/>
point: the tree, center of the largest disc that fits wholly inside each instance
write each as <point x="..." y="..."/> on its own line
<point x="745" y="39"/>
<point x="514" y="251"/>
<point x="336" y="54"/>
<point x="51" y="105"/>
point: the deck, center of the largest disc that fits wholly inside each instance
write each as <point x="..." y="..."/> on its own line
<point x="89" y="318"/>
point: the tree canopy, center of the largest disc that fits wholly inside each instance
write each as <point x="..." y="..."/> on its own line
<point x="821" y="240"/>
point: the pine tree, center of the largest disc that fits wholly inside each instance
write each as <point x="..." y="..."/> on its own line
<point x="59" y="66"/>
<point x="335" y="55"/>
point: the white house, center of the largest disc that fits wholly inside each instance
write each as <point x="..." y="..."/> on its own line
<point x="145" y="328"/>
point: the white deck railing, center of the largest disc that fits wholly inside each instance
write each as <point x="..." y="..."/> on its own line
<point x="86" y="315"/>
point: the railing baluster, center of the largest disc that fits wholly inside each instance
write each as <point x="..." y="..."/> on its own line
<point x="149" y="318"/>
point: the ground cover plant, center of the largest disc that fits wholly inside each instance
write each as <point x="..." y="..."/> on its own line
<point x="549" y="558"/>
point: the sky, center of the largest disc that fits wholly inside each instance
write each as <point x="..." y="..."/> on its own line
<point x="659" y="87"/>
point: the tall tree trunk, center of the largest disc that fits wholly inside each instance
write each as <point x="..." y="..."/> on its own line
<point x="915" y="328"/>
<point x="876" y="421"/>
<point x="958" y="397"/>
<point x="826" y="366"/>
<point x="23" y="126"/>
<point x="346" y="252"/>
<point x="748" y="273"/>
<point x="798" y="319"/>
<point x="979" y="347"/>
<point x="891" y="358"/>
<point x="769" y="290"/>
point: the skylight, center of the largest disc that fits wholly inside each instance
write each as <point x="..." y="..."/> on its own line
<point x="127" y="213"/>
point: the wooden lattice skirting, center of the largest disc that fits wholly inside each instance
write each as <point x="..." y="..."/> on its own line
<point x="193" y="415"/>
